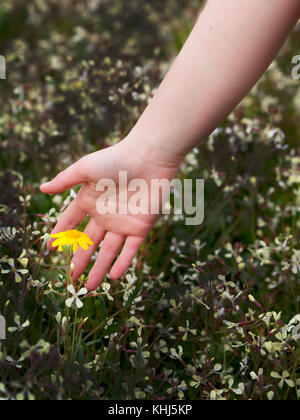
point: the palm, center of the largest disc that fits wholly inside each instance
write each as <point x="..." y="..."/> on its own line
<point x="115" y="230"/>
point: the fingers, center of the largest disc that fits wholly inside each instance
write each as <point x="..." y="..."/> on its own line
<point x="68" y="220"/>
<point x="108" y="252"/>
<point x="82" y="257"/>
<point x="65" y="180"/>
<point x="129" y="251"/>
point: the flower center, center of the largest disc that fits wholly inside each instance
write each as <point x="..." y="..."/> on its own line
<point x="74" y="234"/>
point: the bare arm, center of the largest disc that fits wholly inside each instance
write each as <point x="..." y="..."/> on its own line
<point x="230" y="47"/>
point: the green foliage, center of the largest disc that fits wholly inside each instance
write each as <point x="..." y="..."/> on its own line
<point x="203" y="313"/>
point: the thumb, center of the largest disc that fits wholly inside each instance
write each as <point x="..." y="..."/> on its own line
<point x="66" y="179"/>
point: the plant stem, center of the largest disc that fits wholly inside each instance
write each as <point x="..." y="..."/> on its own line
<point x="74" y="334"/>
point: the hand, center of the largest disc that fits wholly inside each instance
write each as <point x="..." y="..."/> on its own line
<point x="115" y="230"/>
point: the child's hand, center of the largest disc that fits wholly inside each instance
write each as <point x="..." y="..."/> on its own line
<point x="116" y="229"/>
<point x="190" y="103"/>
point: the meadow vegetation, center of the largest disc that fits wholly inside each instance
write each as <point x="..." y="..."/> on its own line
<point x="206" y="312"/>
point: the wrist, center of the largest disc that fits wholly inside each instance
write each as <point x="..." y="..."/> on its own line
<point x="153" y="152"/>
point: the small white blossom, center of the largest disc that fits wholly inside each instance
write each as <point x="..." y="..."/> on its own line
<point x="187" y="330"/>
<point x="176" y="354"/>
<point x="284" y="378"/>
<point x="19" y="326"/>
<point x="14" y="270"/>
<point x="296" y="262"/>
<point x="75" y="296"/>
<point x="106" y="288"/>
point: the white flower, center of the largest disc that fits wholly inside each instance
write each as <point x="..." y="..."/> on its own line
<point x="216" y="177"/>
<point x="282" y="245"/>
<point x="23" y="260"/>
<point x="8" y="233"/>
<point x="19" y="326"/>
<point x="263" y="253"/>
<point x="196" y="382"/>
<point x="187" y="331"/>
<point x="62" y="321"/>
<point x="256" y="377"/>
<point x="106" y="288"/>
<point x="216" y="394"/>
<point x="16" y="363"/>
<point x="13" y="269"/>
<point x="176" y="355"/>
<point x="222" y="312"/>
<point x="296" y="261"/>
<point x="284" y="378"/>
<point x="3" y="393"/>
<point x="278" y="136"/>
<point x="128" y="286"/>
<point x="240" y="388"/>
<point x="75" y="296"/>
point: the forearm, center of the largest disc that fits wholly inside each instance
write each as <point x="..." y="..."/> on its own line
<point x="230" y="47"/>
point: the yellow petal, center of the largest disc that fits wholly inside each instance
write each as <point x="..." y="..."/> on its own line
<point x="84" y="243"/>
<point x="56" y="243"/>
<point x="57" y="235"/>
<point x="75" y="246"/>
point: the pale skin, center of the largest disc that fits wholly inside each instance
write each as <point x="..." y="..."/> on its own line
<point x="230" y="47"/>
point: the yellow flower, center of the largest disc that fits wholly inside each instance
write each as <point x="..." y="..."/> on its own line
<point x="71" y="238"/>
